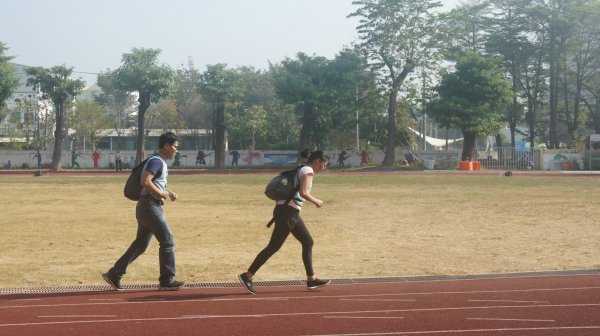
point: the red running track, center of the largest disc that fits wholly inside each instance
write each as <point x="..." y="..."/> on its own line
<point x="549" y="305"/>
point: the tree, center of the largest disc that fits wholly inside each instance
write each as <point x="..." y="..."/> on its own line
<point x="190" y="106"/>
<point x="556" y="16"/>
<point x="533" y="70"/>
<point x="508" y="29"/>
<point x="581" y="64"/>
<point x="220" y="85"/>
<point x="351" y="95"/>
<point x="140" y="72"/>
<point x="8" y="80"/>
<point x="121" y="104"/>
<point x="246" y="126"/>
<point x="56" y="85"/>
<point x="25" y="116"/>
<point x="469" y="99"/>
<point x="88" y="118"/>
<point x="464" y="27"/>
<point x="397" y="36"/>
<point x="163" y="115"/>
<point x="258" y="105"/>
<point x="301" y="82"/>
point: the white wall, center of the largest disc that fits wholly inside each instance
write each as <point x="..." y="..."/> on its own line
<point x="187" y="158"/>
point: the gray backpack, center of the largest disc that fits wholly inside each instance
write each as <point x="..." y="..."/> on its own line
<point x="281" y="187"/>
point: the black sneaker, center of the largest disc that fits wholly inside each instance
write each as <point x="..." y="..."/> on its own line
<point x="314" y="284"/>
<point x="112" y="280"/>
<point x="172" y="286"/>
<point x="247" y="283"/>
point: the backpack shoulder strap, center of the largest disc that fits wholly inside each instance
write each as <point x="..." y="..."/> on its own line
<point x="145" y="162"/>
<point x="294" y="173"/>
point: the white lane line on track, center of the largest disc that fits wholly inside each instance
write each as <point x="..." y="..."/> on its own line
<point x="364" y="317"/>
<point x="67" y="316"/>
<point x="311" y="297"/>
<point x="505" y="319"/>
<point x="294" y="314"/>
<point x="509" y="301"/>
<point x="378" y="300"/>
<point x="187" y="317"/>
<point x="462" y="331"/>
<point x="129" y="300"/>
<point x="416" y="294"/>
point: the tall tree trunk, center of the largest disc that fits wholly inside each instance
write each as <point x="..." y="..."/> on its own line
<point x="469" y="151"/>
<point x="390" y="149"/>
<point x="531" y="116"/>
<point x="59" y="135"/>
<point x="554" y="62"/>
<point x="515" y="116"/>
<point x="566" y="108"/>
<point x="498" y="138"/>
<point x="144" y="101"/>
<point x="220" y="136"/>
<point x="576" y="133"/>
<point x="307" y="125"/>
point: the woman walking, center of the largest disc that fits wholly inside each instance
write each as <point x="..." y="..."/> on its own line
<point x="288" y="220"/>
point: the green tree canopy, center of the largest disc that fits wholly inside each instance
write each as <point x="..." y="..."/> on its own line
<point x="140" y="72"/>
<point x="56" y="85"/>
<point x="120" y="103"/>
<point x="194" y="111"/>
<point x="470" y="99"/>
<point x="89" y="117"/>
<point x="8" y="80"/>
<point x="301" y="82"/>
<point x="397" y="36"/>
<point x="220" y="85"/>
<point x="163" y="115"/>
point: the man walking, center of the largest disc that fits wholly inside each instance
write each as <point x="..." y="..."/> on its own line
<point x="151" y="219"/>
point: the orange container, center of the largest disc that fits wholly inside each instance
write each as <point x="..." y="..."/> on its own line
<point x="476" y="165"/>
<point x="465" y="165"/>
<point x="567" y="165"/>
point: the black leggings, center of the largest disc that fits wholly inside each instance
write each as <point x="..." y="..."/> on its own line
<point x="287" y="219"/>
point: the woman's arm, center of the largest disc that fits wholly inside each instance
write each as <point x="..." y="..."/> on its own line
<point x="305" y="181"/>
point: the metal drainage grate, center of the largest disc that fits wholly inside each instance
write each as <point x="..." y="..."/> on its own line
<point x="277" y="283"/>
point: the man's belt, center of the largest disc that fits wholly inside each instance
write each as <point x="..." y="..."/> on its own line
<point x="148" y="200"/>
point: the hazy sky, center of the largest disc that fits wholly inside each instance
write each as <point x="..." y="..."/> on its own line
<point x="93" y="35"/>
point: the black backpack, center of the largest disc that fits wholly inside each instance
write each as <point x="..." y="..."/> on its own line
<point x="133" y="186"/>
<point x="282" y="188"/>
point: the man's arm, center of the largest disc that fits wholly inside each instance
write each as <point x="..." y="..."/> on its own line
<point x="147" y="183"/>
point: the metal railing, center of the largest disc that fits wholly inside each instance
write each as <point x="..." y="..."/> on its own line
<point x="509" y="158"/>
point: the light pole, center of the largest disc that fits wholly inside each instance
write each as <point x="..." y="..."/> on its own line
<point x="357" y="128"/>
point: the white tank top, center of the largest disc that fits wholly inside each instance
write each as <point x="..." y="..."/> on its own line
<point x="297" y="201"/>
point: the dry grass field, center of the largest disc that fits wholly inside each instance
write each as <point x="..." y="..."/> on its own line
<point x="61" y="230"/>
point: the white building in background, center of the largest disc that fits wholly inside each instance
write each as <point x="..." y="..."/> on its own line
<point x="27" y="113"/>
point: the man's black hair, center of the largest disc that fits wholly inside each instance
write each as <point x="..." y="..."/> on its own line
<point x="167" y="138"/>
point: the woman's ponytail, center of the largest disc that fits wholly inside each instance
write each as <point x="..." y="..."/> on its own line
<point x="305" y="154"/>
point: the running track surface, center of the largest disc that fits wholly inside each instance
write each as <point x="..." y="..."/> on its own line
<point x="537" y="305"/>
